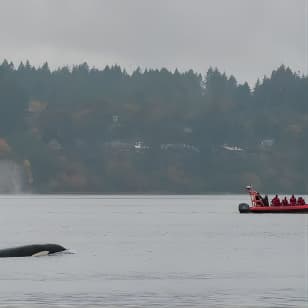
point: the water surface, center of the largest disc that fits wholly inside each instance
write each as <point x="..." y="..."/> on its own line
<point x="152" y="251"/>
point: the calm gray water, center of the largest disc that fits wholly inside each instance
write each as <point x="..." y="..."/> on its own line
<point x="152" y="251"/>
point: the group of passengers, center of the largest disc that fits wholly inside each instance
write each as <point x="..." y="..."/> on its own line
<point x="276" y="201"/>
<point x="285" y="202"/>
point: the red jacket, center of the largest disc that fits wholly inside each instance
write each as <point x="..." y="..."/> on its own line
<point x="293" y="200"/>
<point x="276" y="201"/>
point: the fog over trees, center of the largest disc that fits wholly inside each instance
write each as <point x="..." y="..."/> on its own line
<point x="81" y="129"/>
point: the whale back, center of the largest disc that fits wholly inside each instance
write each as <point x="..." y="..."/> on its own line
<point x="30" y="250"/>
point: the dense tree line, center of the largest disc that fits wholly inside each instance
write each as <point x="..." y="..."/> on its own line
<point x="154" y="131"/>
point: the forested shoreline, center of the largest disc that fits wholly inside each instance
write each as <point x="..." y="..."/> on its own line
<point x="85" y="130"/>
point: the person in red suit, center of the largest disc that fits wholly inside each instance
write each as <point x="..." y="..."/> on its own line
<point x="276" y="201"/>
<point x="285" y="201"/>
<point x="301" y="201"/>
<point x="292" y="200"/>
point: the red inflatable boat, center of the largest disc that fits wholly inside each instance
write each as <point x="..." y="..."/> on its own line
<point x="258" y="205"/>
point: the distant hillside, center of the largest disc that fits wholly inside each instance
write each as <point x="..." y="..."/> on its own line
<point x="155" y="131"/>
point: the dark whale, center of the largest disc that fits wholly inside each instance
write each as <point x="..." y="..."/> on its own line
<point x="31" y="250"/>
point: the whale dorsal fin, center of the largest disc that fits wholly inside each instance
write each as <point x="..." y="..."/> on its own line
<point x="41" y="253"/>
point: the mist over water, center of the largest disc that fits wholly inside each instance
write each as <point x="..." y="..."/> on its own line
<point x="11" y="178"/>
<point x="152" y="251"/>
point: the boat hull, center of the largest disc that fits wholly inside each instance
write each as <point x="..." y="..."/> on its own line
<point x="273" y="209"/>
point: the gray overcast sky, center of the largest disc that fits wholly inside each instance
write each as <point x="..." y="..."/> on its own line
<point x="247" y="38"/>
